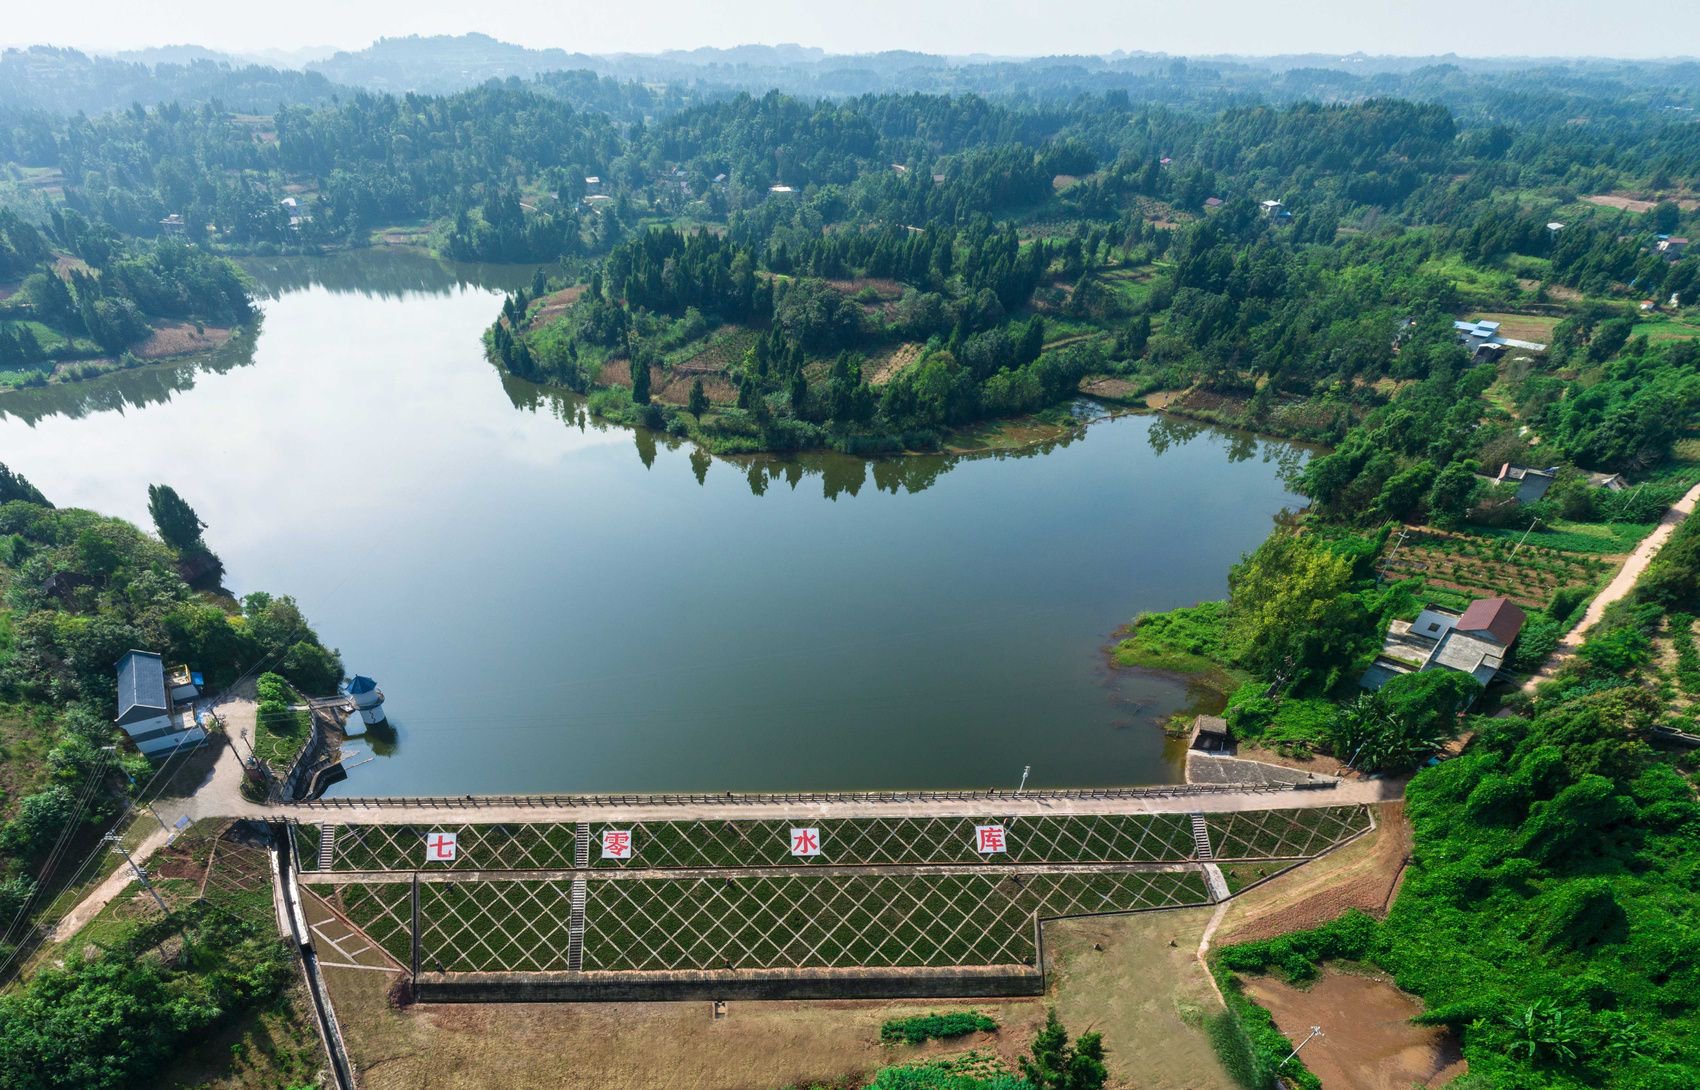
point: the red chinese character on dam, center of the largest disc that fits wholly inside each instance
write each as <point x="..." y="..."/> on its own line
<point x="805" y="842"/>
<point x="616" y="844"/>
<point x="440" y="848"/>
<point x="988" y="839"/>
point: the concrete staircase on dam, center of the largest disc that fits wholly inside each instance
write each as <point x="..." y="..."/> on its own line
<point x="575" y="918"/>
<point x="327" y="846"/>
<point x="1201" y="837"/>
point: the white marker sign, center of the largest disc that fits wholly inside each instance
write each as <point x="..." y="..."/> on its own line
<point x="616" y="843"/>
<point x="805" y="842"/>
<point x="988" y="839"/>
<point x="440" y="847"/>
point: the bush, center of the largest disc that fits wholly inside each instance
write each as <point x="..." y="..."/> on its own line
<point x="1298" y="957"/>
<point x="926" y="1027"/>
<point x="1565" y="602"/>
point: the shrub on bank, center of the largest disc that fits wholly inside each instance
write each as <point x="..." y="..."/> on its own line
<point x="927" y="1027"/>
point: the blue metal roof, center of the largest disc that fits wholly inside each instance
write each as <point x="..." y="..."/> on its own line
<point x="141" y="686"/>
<point x="361" y="684"/>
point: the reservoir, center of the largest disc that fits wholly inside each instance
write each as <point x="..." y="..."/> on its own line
<point x="555" y="605"/>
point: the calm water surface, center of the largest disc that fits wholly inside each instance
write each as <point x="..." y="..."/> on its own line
<point x="551" y="605"/>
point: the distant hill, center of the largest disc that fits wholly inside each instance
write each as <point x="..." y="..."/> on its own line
<point x="443" y="63"/>
<point x="65" y="81"/>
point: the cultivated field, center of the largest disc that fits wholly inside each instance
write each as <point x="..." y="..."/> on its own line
<point x="1477" y="566"/>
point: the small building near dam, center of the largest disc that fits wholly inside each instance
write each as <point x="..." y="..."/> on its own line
<point x="147" y="712"/>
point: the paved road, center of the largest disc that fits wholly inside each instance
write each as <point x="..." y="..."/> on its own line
<point x="1620" y="585"/>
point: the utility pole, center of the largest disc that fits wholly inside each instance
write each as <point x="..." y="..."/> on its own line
<point x="1315" y="1031"/>
<point x="1525" y="537"/>
<point x="134" y="805"/>
<point x="141" y="875"/>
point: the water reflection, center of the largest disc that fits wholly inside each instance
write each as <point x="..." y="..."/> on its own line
<point x="846" y="475"/>
<point x="381" y="273"/>
<point x="139" y="387"/>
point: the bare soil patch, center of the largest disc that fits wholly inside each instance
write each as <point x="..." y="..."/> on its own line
<point x="627" y="1046"/>
<point x="887" y="288"/>
<point x="1368" y="1041"/>
<point x="1162" y="399"/>
<point x="180" y="338"/>
<point x="554" y="305"/>
<point x="676" y="390"/>
<point x="1364" y="875"/>
<point x="1523" y="327"/>
<point x="883" y="369"/>
<point x="1118" y="389"/>
<point x="1638" y="204"/>
<point x="1135" y="979"/>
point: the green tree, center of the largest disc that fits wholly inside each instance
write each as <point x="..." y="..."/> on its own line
<point x="1291" y="616"/>
<point x="14" y="486"/>
<point x="1452" y="493"/>
<point x="699" y="399"/>
<point x="1400" y="725"/>
<point x="1055" y="1064"/>
<point x="177" y="523"/>
<point x="640" y="380"/>
<point x="799" y="393"/>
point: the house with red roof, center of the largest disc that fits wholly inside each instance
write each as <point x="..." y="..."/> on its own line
<point x="1477" y="642"/>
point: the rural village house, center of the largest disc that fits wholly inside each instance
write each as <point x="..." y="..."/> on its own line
<point x="1476" y="642"/>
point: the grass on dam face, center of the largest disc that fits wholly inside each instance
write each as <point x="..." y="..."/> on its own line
<point x="1274" y="834"/>
<point x="1110" y="838"/>
<point x="786" y="921"/>
<point x="1101" y="838"/>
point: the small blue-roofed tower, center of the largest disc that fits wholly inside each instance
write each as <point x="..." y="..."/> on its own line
<point x="368" y="699"/>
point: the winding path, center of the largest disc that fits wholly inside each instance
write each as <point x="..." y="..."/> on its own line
<point x="1621" y="585"/>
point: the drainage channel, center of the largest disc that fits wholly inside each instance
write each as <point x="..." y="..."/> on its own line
<point x="283" y="843"/>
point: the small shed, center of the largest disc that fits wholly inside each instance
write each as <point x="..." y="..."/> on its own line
<point x="1611" y="482"/>
<point x="1210" y="735"/>
<point x="185" y="683"/>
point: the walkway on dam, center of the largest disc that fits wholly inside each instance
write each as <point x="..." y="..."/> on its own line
<point x="219" y="796"/>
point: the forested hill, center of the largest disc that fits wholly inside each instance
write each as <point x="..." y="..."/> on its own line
<point x="65" y="81"/>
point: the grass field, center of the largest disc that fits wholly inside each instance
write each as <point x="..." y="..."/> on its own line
<point x="1668" y="326"/>
<point x="278" y="740"/>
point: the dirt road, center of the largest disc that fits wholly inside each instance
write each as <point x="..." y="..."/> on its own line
<point x="1620" y="585"/>
<point x="102" y="895"/>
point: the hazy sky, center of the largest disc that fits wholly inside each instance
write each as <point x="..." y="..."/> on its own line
<point x="1017" y="27"/>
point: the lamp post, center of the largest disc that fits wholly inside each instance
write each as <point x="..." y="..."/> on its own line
<point x="1315" y="1031"/>
<point x="1025" y="770"/>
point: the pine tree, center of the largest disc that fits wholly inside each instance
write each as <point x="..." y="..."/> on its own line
<point x="178" y="525"/>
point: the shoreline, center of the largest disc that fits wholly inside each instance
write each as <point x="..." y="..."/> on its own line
<point x="234" y="335"/>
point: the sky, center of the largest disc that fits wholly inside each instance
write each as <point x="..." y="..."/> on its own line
<point x="1006" y="27"/>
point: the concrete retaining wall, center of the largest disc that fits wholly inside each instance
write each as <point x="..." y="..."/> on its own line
<point x="748" y="984"/>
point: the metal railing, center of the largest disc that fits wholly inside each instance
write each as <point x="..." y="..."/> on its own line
<point x="732" y="798"/>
